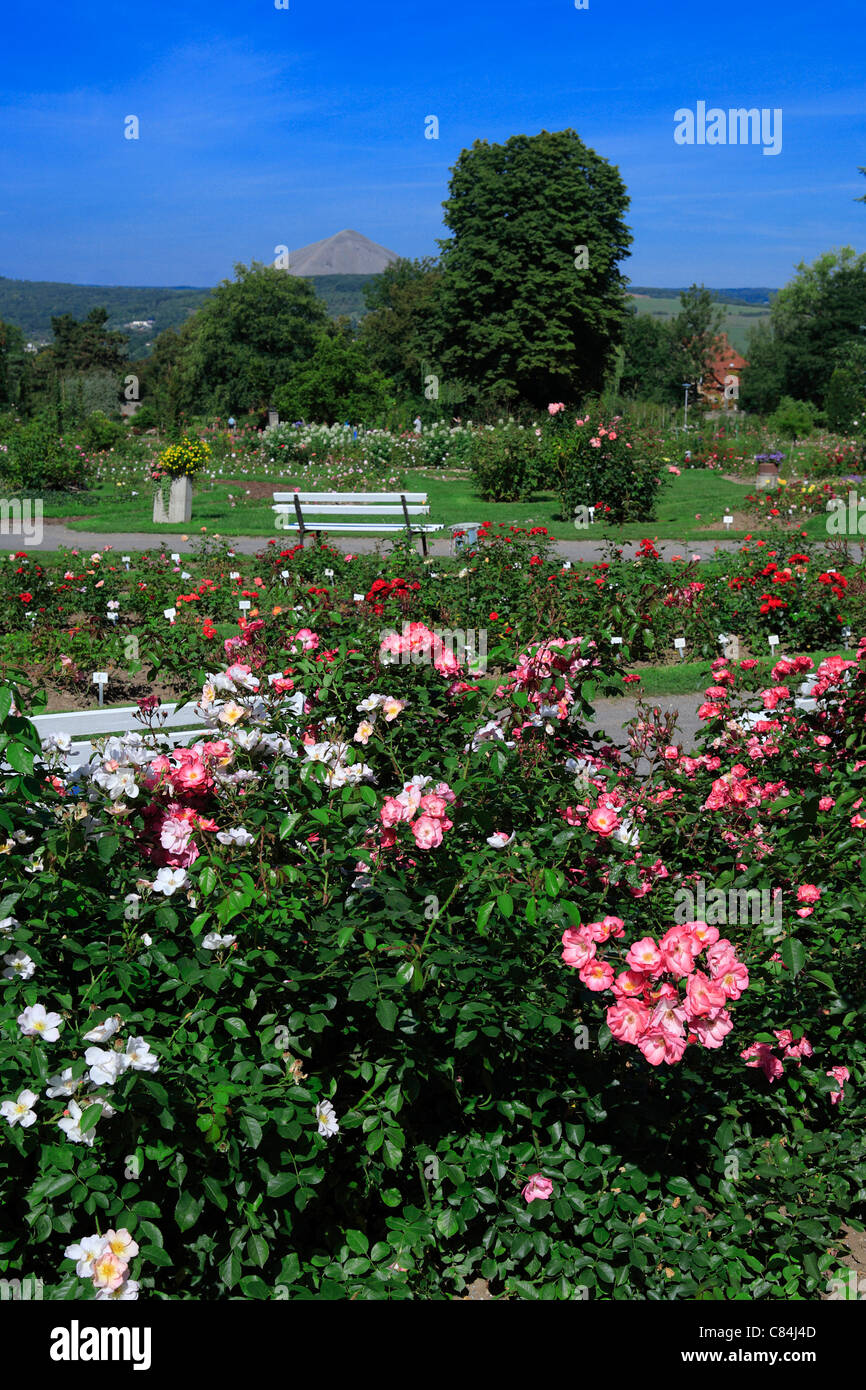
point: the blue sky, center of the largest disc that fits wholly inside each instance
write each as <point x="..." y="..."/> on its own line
<point x="262" y="127"/>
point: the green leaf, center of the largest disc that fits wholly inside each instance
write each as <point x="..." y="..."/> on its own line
<point x="252" y="1129"/>
<point x="793" y="955"/>
<point x="505" y="903"/>
<point x="357" y="1241"/>
<point x="215" y="1192"/>
<point x="230" y="1269"/>
<point x="187" y="1211"/>
<point x="207" y="880"/>
<point x="254" y="1287"/>
<point x="19" y="758"/>
<point x="446" y="1223"/>
<point x="484" y="914"/>
<point x="52" y="1186"/>
<point x="257" y="1250"/>
<point x="386" y="1013"/>
<point x="90" y="1117"/>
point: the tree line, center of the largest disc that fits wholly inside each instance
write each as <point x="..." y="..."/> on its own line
<point x="526" y="304"/>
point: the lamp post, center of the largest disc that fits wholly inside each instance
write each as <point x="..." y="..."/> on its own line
<point x="688" y="387"/>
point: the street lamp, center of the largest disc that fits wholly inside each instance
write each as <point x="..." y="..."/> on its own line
<point x="688" y="387"/>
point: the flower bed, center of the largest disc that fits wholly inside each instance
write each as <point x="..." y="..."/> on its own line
<point x="398" y="978"/>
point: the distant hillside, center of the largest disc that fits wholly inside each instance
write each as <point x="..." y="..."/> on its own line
<point x="31" y="305"/>
<point x="740" y="315"/>
<point x="744" y="296"/>
<point x="343" y="294"/>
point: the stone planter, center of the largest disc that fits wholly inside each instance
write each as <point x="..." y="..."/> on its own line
<point x="768" y="474"/>
<point x="179" y="503"/>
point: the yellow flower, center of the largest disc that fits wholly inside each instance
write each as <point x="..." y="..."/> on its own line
<point x="231" y="713"/>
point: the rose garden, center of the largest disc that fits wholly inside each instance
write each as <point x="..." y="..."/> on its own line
<point x="390" y="977"/>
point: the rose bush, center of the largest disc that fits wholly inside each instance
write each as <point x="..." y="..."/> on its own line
<point x="383" y="982"/>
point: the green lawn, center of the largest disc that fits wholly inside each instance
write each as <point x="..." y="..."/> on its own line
<point x="695" y="500"/>
<point x="689" y="677"/>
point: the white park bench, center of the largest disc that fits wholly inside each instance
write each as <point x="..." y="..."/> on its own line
<point x="343" y="506"/>
<point x="82" y="726"/>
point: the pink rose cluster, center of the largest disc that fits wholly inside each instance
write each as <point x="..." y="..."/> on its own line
<point x="762" y="1055"/>
<point x="425" y="812"/>
<point x="185" y="777"/>
<point x="423" y="646"/>
<point x="244" y="643"/>
<point x="556" y="656"/>
<point x="651" y="1012"/>
<point x="830" y="673"/>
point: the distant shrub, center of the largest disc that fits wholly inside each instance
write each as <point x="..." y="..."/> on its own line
<point x="793" y="419"/>
<point x="38" y="458"/>
<point x="505" y="462"/>
<point x="100" y="433"/>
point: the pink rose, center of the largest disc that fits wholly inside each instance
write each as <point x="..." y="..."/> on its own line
<point x="645" y="957"/>
<point x="604" y="821"/>
<point x="808" y="893"/>
<point x="427" y="832"/>
<point x="538" y="1188"/>
<point x="628" y="1021"/>
<point x="393" y="811"/>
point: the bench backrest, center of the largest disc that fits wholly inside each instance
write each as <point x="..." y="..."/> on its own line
<point x="310" y="498"/>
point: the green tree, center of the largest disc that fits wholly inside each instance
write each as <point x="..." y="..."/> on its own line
<point x="649" y="372"/>
<point x="160" y="381"/>
<point x="695" y="335"/>
<point x="397" y="331"/>
<point x="845" y="402"/>
<point x="531" y="302"/>
<point x="814" y="318"/>
<point x="13" y="364"/>
<point x="88" y="345"/>
<point x="763" y="384"/>
<point x="337" y="384"/>
<point x="246" y="341"/>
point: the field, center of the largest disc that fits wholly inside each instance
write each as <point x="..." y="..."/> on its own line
<point x="738" y="318"/>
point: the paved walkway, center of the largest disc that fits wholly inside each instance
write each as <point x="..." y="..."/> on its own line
<point x="56" y="535"/>
<point x="612" y="716"/>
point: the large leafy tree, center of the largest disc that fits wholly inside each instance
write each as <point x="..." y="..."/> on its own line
<point x="649" y="371"/>
<point x="521" y="314"/>
<point x="397" y="330"/>
<point x="86" y="346"/>
<point x="696" y="335"/>
<point x="13" y="365"/>
<point x="812" y="322"/>
<point x="247" y="340"/>
<point x="337" y="384"/>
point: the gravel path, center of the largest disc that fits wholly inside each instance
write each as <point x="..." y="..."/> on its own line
<point x="612" y="716"/>
<point x="56" y="535"/>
